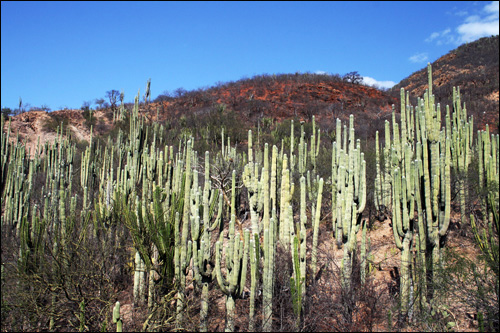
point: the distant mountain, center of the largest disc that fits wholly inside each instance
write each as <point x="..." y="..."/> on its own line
<point x="473" y="67"/>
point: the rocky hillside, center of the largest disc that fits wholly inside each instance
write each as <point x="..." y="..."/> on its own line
<point x="474" y="68"/>
<point x="286" y="96"/>
<point x="264" y="98"/>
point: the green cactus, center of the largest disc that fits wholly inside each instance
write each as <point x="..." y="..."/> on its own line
<point x="237" y="255"/>
<point x="82" y="316"/>
<point x="254" y="271"/>
<point x="314" y="252"/>
<point x="363" y="254"/>
<point x="269" y="239"/>
<point x="487" y="147"/>
<point x="403" y="217"/>
<point x="268" y="276"/>
<point x="419" y="161"/>
<point x="350" y="172"/>
<point x="460" y="130"/>
<point x="203" y="271"/>
<point x="117" y="317"/>
<point x="297" y="282"/>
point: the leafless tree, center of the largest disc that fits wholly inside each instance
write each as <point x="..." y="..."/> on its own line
<point x="100" y="102"/>
<point x="112" y="95"/>
<point x="353" y="77"/>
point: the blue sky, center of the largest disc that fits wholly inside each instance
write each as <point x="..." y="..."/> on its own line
<point x="60" y="54"/>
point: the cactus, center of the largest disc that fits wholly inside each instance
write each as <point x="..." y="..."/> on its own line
<point x="419" y="163"/>
<point x="297" y="282"/>
<point x="460" y="130"/>
<point x="236" y="267"/>
<point x="436" y="187"/>
<point x="402" y="222"/>
<point x="350" y="171"/>
<point x="82" y="316"/>
<point x="365" y="244"/>
<point x="117" y="318"/>
<point x="487" y="147"/>
<point x="315" y="229"/>
<point x="254" y="248"/>
<point x="314" y="144"/>
<point x="269" y="240"/>
<point x="487" y="239"/>
<point x="268" y="278"/>
<point x="182" y="247"/>
<point x="203" y="271"/>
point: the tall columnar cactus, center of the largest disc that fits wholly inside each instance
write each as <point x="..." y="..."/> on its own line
<point x="251" y="181"/>
<point x="297" y="281"/>
<point x="365" y="247"/>
<point x="460" y="130"/>
<point x="292" y="147"/>
<point x="86" y="172"/>
<point x="317" y="215"/>
<point x="383" y="189"/>
<point x="402" y="224"/>
<point x="183" y="248"/>
<point x="302" y="150"/>
<point x="268" y="275"/>
<point x="487" y="237"/>
<point x="286" y="219"/>
<point x="379" y="178"/>
<point x="487" y="147"/>
<point x="203" y="271"/>
<point x="314" y="144"/>
<point x="435" y="189"/>
<point x="419" y="166"/>
<point x="302" y="232"/>
<point x="117" y="317"/>
<point x="269" y="222"/>
<point x="254" y="249"/>
<point x="236" y="270"/>
<point x="404" y="183"/>
<point x="350" y="171"/>
<point x="299" y="246"/>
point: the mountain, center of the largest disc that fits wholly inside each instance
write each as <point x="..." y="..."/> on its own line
<point x="473" y="67"/>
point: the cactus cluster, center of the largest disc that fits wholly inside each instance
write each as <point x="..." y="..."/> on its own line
<point x="419" y="155"/>
<point x="487" y="147"/>
<point x="185" y="214"/>
<point x="348" y="193"/>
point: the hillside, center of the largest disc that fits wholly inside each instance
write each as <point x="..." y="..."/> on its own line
<point x="266" y="99"/>
<point x="270" y="230"/>
<point x="474" y="68"/>
<point x="286" y="96"/>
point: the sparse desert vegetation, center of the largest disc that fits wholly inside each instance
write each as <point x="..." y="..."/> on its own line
<point x="198" y="223"/>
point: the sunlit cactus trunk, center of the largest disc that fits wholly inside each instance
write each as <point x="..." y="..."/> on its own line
<point x="350" y="171"/>
<point x="183" y="248"/>
<point x="232" y="285"/>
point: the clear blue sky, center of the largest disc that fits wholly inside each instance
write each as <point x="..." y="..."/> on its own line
<point x="61" y="54"/>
